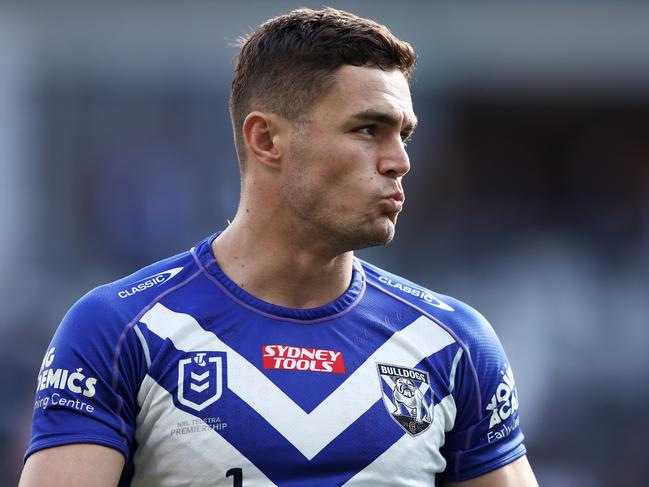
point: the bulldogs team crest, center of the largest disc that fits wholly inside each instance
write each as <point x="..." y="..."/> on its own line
<point x="407" y="396"/>
<point x="201" y="379"/>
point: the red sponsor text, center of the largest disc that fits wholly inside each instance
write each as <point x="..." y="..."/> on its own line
<point x="286" y="357"/>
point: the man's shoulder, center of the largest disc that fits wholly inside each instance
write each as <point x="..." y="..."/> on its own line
<point x="154" y="278"/>
<point x="463" y="321"/>
<point x="406" y="290"/>
<point x="141" y="288"/>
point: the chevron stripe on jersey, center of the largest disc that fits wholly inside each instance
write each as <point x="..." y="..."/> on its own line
<point x="210" y="451"/>
<point x="310" y="432"/>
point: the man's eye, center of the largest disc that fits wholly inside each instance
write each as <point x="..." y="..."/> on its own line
<point x="367" y="130"/>
<point x="405" y="138"/>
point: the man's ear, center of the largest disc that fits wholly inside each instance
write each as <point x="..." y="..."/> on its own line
<point x="266" y="137"/>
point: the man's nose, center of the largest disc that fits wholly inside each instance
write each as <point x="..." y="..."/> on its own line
<point x="394" y="161"/>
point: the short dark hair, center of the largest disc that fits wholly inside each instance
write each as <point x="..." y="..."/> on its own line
<point x="288" y="63"/>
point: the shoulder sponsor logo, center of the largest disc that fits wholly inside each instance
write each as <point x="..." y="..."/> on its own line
<point x="201" y="379"/>
<point x="502" y="406"/>
<point x="73" y="380"/>
<point x="407" y="396"/>
<point x="286" y="357"/>
<point x="149" y="282"/>
<point x="416" y="292"/>
<point x="64" y="380"/>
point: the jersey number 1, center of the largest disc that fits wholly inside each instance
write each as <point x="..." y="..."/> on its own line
<point x="237" y="476"/>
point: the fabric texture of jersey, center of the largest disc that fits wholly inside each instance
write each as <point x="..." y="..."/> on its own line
<point x="197" y="382"/>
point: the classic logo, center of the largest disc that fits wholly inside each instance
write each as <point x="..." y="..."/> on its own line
<point x="151" y="281"/>
<point x="201" y="379"/>
<point x="416" y="292"/>
<point x="407" y="396"/>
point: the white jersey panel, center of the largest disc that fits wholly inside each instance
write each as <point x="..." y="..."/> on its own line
<point x="161" y="460"/>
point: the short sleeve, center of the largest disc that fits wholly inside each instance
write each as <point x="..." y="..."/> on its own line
<point x="86" y="390"/>
<point x="486" y="434"/>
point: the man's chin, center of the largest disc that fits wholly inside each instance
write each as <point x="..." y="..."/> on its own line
<point x="378" y="237"/>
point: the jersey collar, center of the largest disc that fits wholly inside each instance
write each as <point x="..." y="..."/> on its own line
<point x="343" y="304"/>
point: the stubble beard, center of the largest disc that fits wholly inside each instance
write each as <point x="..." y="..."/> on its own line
<point x="370" y="232"/>
<point x="340" y="234"/>
<point x="336" y="233"/>
<point x="348" y="235"/>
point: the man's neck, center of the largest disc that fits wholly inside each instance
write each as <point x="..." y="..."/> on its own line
<point x="278" y="268"/>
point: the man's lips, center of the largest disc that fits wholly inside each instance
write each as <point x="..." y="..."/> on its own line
<point x="394" y="200"/>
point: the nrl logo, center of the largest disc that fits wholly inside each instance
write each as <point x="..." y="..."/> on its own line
<point x="201" y="379"/>
<point x="407" y="396"/>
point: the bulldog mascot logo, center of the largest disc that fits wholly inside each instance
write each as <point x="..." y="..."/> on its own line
<point x="407" y="396"/>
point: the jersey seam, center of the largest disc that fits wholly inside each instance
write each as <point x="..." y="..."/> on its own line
<point x="449" y="331"/>
<point x="122" y="338"/>
<point x="145" y="345"/>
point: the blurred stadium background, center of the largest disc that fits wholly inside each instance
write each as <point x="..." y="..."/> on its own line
<point x="528" y="196"/>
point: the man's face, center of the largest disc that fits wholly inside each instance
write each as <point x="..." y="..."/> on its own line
<point x="343" y="176"/>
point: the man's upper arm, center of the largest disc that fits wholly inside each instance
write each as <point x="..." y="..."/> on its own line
<point x="486" y="435"/>
<point x="77" y="465"/>
<point x="515" y="474"/>
<point x="87" y="385"/>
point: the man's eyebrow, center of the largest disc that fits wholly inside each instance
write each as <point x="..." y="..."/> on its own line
<point x="385" y="118"/>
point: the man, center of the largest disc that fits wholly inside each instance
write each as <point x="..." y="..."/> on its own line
<point x="268" y="354"/>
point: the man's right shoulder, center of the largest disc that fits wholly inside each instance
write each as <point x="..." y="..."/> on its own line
<point x="98" y="357"/>
<point x="130" y="294"/>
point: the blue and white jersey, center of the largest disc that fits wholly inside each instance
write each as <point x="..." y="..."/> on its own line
<point x="197" y="382"/>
